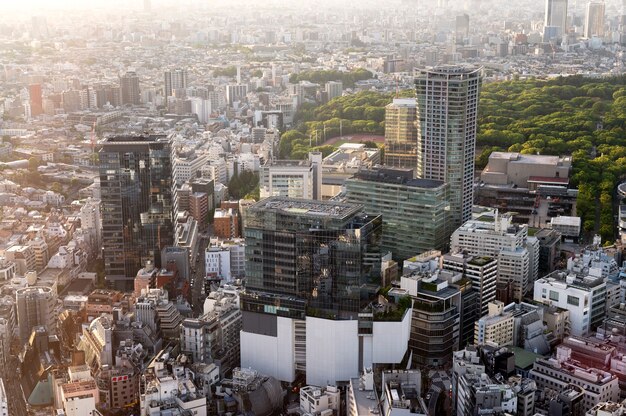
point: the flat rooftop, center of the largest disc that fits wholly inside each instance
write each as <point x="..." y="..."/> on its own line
<point x="288" y="163"/>
<point x="307" y="207"/>
<point x="515" y="157"/>
<point x="366" y="400"/>
<point x="134" y="139"/>
<point x="562" y="220"/>
<point x="397" y="176"/>
<point x="403" y="102"/>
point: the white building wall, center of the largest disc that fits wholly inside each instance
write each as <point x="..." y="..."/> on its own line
<point x="273" y="356"/>
<point x="390" y="340"/>
<point x="218" y="262"/>
<point x="368" y="350"/>
<point x="80" y="406"/>
<point x="548" y="292"/>
<point x="4" y="403"/>
<point x="332" y="351"/>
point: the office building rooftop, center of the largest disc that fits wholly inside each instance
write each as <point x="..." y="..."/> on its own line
<point x="397" y="176"/>
<point x="303" y="207"/>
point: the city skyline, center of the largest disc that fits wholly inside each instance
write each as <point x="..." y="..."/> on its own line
<point x="218" y="207"/>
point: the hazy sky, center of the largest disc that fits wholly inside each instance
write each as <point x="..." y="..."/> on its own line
<point x="34" y="7"/>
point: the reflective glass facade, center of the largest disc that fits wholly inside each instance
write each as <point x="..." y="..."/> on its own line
<point x="401" y="134"/>
<point x="415" y="211"/>
<point x="320" y="252"/>
<point x="135" y="182"/>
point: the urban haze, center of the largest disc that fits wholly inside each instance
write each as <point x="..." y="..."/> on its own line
<point x="312" y="208"/>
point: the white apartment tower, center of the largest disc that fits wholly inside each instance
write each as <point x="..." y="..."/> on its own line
<point x="334" y="89"/>
<point x="556" y="16"/>
<point x="447" y="108"/>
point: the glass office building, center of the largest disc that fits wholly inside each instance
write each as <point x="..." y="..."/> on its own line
<point x="317" y="254"/>
<point x="415" y="211"/>
<point x="401" y="134"/>
<point x="135" y="183"/>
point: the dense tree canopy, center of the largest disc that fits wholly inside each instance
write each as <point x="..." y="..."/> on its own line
<point x="243" y="184"/>
<point x="570" y="115"/>
<point x="227" y="71"/>
<point x="577" y="116"/>
<point x="323" y="76"/>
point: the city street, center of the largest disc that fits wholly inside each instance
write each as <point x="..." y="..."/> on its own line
<point x="15" y="398"/>
<point x="197" y="289"/>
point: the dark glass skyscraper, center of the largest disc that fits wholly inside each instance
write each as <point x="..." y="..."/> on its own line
<point x="316" y="253"/>
<point x="135" y="183"/>
<point x="129" y="89"/>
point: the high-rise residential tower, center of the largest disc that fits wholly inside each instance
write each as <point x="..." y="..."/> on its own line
<point x="447" y="111"/>
<point x="36" y="101"/>
<point x="401" y="134"/>
<point x="594" y="19"/>
<point x="174" y="80"/>
<point x="236" y="92"/>
<point x="129" y="89"/>
<point x="136" y="187"/>
<point x="462" y="28"/>
<point x="556" y="17"/>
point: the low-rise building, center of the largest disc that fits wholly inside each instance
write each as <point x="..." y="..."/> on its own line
<point x="167" y="387"/>
<point x="607" y="409"/>
<point x="225" y="260"/>
<point x="401" y="393"/>
<point x="226" y="223"/>
<point x="213" y="338"/>
<point x="559" y="372"/>
<point x="523" y="170"/>
<point x="583" y="296"/>
<point x="293" y="178"/>
<point x="102" y="301"/>
<point x="320" y="401"/>
<point x="496" y="328"/>
<point x="362" y="397"/>
<point x="478" y="394"/>
<point x="569" y="227"/>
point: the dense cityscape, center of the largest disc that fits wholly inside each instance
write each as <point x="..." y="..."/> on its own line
<point x="313" y="208"/>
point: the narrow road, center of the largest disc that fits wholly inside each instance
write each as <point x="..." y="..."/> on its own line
<point x="17" y="405"/>
<point x="198" y="275"/>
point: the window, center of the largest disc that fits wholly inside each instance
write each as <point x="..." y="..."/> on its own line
<point x="573" y="300"/>
<point x="554" y="295"/>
